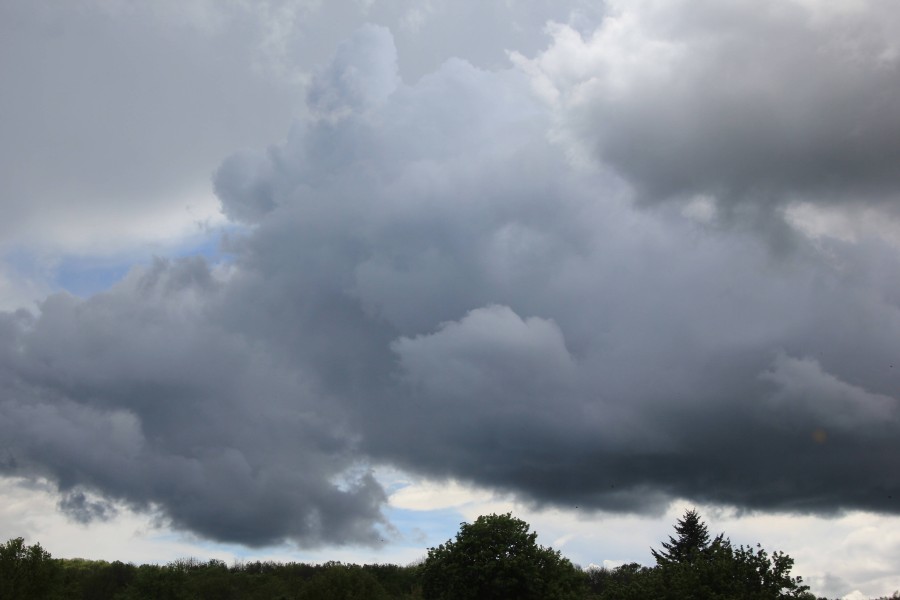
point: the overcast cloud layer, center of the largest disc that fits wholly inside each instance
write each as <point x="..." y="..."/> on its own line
<point x="574" y="278"/>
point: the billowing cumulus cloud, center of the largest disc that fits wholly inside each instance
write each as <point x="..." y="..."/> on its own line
<point x="432" y="277"/>
<point x="118" y="111"/>
<point x="750" y="103"/>
<point x="138" y="394"/>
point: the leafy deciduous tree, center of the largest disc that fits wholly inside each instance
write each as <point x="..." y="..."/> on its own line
<point x="26" y="572"/>
<point x="498" y="558"/>
<point x="343" y="582"/>
<point x="693" y="566"/>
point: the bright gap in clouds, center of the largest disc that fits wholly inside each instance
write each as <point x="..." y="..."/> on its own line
<point x="87" y="254"/>
<point x="862" y="549"/>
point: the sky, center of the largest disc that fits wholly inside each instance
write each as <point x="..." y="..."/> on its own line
<point x="309" y="280"/>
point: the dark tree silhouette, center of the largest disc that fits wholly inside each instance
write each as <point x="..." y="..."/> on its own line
<point x="690" y="545"/>
<point x="25" y="571"/>
<point x="692" y="565"/>
<point x="497" y="558"/>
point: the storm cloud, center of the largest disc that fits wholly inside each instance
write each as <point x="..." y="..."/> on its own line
<point x="461" y="277"/>
<point x="749" y="103"/>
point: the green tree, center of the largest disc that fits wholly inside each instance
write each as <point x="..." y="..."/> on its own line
<point x="343" y="582"/>
<point x="26" y="572"/>
<point x="498" y="558"/>
<point x="97" y="580"/>
<point x="760" y="576"/>
<point x="692" y="566"/>
<point x="626" y="582"/>
<point x="690" y="545"/>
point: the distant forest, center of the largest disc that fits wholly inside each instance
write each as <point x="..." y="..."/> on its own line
<point x="494" y="558"/>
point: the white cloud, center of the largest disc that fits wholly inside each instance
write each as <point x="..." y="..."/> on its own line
<point x="846" y="224"/>
<point x="427" y="495"/>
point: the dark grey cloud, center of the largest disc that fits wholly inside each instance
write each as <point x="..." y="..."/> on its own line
<point x="547" y="339"/>
<point x="137" y="394"/>
<point x="753" y="104"/>
<point x="83" y="509"/>
<point x="429" y="280"/>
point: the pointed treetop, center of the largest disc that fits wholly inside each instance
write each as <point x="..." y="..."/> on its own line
<point x="691" y="543"/>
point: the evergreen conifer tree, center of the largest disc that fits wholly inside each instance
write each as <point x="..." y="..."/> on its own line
<point x="692" y="541"/>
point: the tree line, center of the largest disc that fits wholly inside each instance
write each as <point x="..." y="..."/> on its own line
<point x="495" y="558"/>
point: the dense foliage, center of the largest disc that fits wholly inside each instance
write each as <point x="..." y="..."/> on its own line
<point x="29" y="573"/>
<point x="690" y="545"/>
<point x="494" y="558"/>
<point x="690" y="565"/>
<point x="25" y="571"/>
